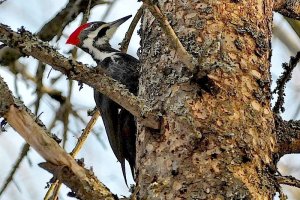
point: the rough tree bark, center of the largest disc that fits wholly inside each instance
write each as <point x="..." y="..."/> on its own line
<point x="218" y="143"/>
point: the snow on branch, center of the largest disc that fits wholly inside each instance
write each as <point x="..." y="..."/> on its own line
<point x="80" y="180"/>
<point x="288" y="8"/>
<point x="30" y="45"/>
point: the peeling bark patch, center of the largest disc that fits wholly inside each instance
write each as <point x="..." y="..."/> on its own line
<point x="255" y="105"/>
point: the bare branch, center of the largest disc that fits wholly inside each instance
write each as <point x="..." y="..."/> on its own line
<point x="85" y="134"/>
<point x="56" y="185"/>
<point x="282" y="80"/>
<point x="96" y="78"/>
<point x="109" y="8"/>
<point x="18" y="68"/>
<point x="288" y="180"/>
<point x="288" y="136"/>
<point x="81" y="188"/>
<point x="86" y="14"/>
<point x="66" y="15"/>
<point x="2" y="1"/>
<point x="185" y="57"/>
<point x="86" y="185"/>
<point x="39" y="85"/>
<point x="288" y="8"/>
<point x="128" y="35"/>
<point x="282" y="196"/>
<point x="295" y="24"/>
<point x="23" y="154"/>
<point x="66" y="114"/>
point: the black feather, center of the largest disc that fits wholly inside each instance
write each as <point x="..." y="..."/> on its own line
<point x="102" y="32"/>
<point x="120" y="125"/>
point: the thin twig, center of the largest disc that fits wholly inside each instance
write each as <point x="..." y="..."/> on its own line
<point x="2" y="1"/>
<point x="288" y="180"/>
<point x="18" y="68"/>
<point x="16" y="86"/>
<point x="295" y="24"/>
<point x="185" y="57"/>
<point x="39" y="85"/>
<point x="64" y="17"/>
<point x="86" y="14"/>
<point x="109" y="8"/>
<point x="75" y="6"/>
<point x="288" y="8"/>
<point x="128" y="35"/>
<point x="282" y="80"/>
<point x="56" y="185"/>
<point x="85" y="134"/>
<point x="50" y="190"/>
<point x="66" y="114"/>
<point x="282" y="196"/>
<point x="23" y="154"/>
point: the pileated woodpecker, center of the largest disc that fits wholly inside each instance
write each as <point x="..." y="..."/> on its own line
<point x="120" y="125"/>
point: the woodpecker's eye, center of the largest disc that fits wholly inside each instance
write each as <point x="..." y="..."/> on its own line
<point x="90" y="27"/>
<point x="102" y="32"/>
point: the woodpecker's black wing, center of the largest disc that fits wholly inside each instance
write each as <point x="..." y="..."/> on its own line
<point x="127" y="128"/>
<point x="124" y="68"/>
<point x="110" y="115"/>
<point x="120" y="125"/>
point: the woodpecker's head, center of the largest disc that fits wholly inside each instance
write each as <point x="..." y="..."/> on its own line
<point x="95" y="34"/>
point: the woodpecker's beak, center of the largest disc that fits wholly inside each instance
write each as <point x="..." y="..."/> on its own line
<point x="118" y="22"/>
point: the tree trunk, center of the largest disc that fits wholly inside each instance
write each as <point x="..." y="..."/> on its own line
<point x="217" y="139"/>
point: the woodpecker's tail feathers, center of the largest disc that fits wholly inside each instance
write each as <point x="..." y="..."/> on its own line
<point x="127" y="131"/>
<point x="122" y="162"/>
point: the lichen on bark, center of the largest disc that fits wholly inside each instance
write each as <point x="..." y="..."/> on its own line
<point x="211" y="146"/>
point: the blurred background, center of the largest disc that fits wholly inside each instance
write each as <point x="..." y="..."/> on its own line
<point x="29" y="181"/>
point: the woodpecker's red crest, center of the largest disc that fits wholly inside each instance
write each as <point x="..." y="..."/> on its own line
<point x="74" y="37"/>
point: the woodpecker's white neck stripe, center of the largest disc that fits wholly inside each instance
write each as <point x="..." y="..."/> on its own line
<point x="95" y="52"/>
